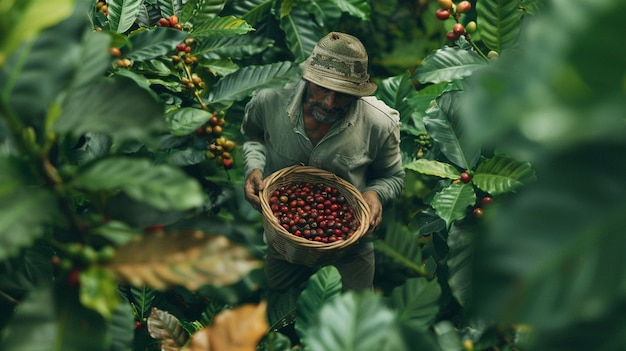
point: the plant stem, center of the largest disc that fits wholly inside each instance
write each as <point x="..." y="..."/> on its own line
<point x="9" y="298"/>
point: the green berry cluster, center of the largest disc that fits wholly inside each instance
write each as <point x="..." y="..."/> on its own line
<point x="425" y="141"/>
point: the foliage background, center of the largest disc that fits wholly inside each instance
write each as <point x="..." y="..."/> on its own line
<point x="541" y="270"/>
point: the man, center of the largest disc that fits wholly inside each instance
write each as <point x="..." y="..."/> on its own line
<point x="326" y="120"/>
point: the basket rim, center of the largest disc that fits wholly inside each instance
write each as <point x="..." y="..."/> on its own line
<point x="314" y="172"/>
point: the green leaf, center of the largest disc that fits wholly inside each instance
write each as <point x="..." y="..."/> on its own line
<point x="162" y="186"/>
<point x="30" y="81"/>
<point x="98" y="291"/>
<point x="322" y="287"/>
<point x="201" y="9"/>
<point x="122" y="327"/>
<point x="28" y="18"/>
<point x="150" y="43"/>
<point x="416" y="302"/>
<point x="25" y="208"/>
<point x="434" y="168"/>
<point x="169" y="7"/>
<point x="502" y="174"/>
<point x="104" y="107"/>
<point x="498" y="23"/>
<point x="221" y="27"/>
<point x="402" y="247"/>
<point x="395" y="92"/>
<point x="186" y="120"/>
<point x="448" y="64"/>
<point x="94" y="59"/>
<point x="449" y="131"/>
<point x="49" y="319"/>
<point x="142" y="299"/>
<point x="242" y="83"/>
<point x="357" y="8"/>
<point x="460" y="262"/>
<point x="553" y="254"/>
<point x="301" y="34"/>
<point x="353" y="321"/>
<point x="451" y="202"/>
<point x="122" y="14"/>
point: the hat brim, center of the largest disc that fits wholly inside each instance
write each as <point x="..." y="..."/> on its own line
<point x="342" y="86"/>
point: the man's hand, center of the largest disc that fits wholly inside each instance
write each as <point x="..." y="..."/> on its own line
<point x="252" y="188"/>
<point x="376" y="208"/>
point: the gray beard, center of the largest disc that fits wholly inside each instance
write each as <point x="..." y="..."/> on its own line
<point x="325" y="119"/>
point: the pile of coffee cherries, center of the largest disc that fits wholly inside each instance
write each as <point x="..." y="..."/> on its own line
<point x="314" y="211"/>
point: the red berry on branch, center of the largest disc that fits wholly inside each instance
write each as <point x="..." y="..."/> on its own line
<point x="463" y="6"/>
<point x="163" y="22"/>
<point x="442" y="14"/>
<point x="458" y="29"/>
<point x="465" y="177"/>
<point x="173" y="20"/>
<point x="452" y="36"/>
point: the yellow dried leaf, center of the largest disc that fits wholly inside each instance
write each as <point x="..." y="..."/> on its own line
<point x="183" y="258"/>
<point x="237" y="329"/>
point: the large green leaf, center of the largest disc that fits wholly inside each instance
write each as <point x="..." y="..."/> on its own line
<point x="416" y="302"/>
<point x="444" y="124"/>
<point x="169" y="7"/>
<point x="25" y="208"/>
<point x="103" y="106"/>
<point x="434" y="168"/>
<point x="448" y="64"/>
<point x="241" y="84"/>
<point x="162" y="186"/>
<point x="253" y="11"/>
<point x="122" y="327"/>
<point x="395" y="91"/>
<point x="553" y="255"/>
<point x="301" y="34"/>
<point x="154" y="42"/>
<point x="221" y="27"/>
<point x="143" y="298"/>
<point x="122" y="14"/>
<point x="201" y="9"/>
<point x="401" y="247"/>
<point x="49" y="320"/>
<point x="24" y="20"/>
<point x="30" y="80"/>
<point x="502" y="174"/>
<point x="322" y="287"/>
<point x="352" y="321"/>
<point x="186" y="120"/>
<point x="498" y="23"/>
<point x="451" y="202"/>
<point x="461" y="242"/>
<point x="357" y="8"/>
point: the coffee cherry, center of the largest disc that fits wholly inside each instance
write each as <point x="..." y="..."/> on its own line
<point x="445" y="4"/>
<point x="173" y="20"/>
<point x="478" y="212"/>
<point x="492" y="55"/>
<point x="138" y="325"/>
<point x="458" y="29"/>
<point x="442" y="14"/>
<point x="73" y="278"/>
<point x="115" y="52"/>
<point x="452" y="36"/>
<point x="465" y="177"/>
<point x="463" y="6"/>
<point x="227" y="163"/>
<point x="163" y="22"/>
<point x="471" y="26"/>
<point x="486" y="200"/>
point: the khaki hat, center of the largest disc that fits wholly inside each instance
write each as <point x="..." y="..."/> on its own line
<point x="339" y="62"/>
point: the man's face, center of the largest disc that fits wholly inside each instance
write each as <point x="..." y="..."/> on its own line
<point x="327" y="105"/>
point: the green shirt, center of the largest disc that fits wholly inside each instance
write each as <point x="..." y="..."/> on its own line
<point x="362" y="148"/>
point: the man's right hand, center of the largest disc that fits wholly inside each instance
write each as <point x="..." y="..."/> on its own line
<point x="252" y="188"/>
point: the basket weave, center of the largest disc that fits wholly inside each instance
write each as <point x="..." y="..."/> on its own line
<point x="300" y="250"/>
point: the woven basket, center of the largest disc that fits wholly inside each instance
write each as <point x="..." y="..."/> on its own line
<point x="300" y="250"/>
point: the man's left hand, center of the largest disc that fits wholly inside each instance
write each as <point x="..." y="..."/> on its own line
<point x="376" y="208"/>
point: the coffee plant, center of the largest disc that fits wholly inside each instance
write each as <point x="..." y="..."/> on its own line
<point x="122" y="219"/>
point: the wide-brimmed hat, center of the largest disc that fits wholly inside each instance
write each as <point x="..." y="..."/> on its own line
<point x="339" y="62"/>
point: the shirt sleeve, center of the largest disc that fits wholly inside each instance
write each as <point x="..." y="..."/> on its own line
<point x="387" y="174"/>
<point x="252" y="128"/>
